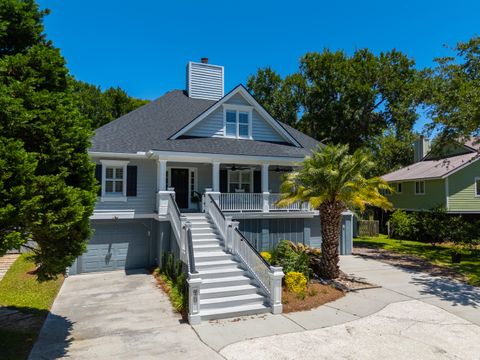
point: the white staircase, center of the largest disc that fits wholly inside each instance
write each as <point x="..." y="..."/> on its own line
<point x="227" y="289"/>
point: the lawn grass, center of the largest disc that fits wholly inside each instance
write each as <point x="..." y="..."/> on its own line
<point x="438" y="255"/>
<point x="19" y="290"/>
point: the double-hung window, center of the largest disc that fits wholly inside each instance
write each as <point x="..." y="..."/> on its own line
<point x="419" y="187"/>
<point x="238" y="121"/>
<point x="240" y="181"/>
<point x="114" y="180"/>
<point x="477" y="186"/>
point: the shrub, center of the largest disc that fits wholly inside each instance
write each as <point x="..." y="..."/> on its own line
<point x="174" y="280"/>
<point x="267" y="256"/>
<point x="403" y="225"/>
<point x="290" y="260"/>
<point x="296" y="282"/>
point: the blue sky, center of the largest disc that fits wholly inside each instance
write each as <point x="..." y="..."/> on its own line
<point x="143" y="46"/>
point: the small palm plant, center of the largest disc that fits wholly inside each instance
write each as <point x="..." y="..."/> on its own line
<point x="332" y="181"/>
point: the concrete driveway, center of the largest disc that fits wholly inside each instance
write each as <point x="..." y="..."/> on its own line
<point x="116" y="316"/>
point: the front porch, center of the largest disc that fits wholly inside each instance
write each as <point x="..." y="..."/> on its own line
<point x="245" y="188"/>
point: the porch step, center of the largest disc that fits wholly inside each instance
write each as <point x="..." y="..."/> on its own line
<point x="212" y="256"/>
<point x="205" y="236"/>
<point x="227" y="312"/>
<point x="229" y="301"/>
<point x="226" y="281"/>
<point x="214" y="264"/>
<point x="216" y="292"/>
<point x="224" y="272"/>
<point x="202" y="226"/>
<point x="207" y="242"/>
<point x="207" y="247"/>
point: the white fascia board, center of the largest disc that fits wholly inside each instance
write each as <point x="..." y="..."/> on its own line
<point x="138" y="155"/>
<point x="113" y="215"/>
<point x="273" y="215"/>
<point x="224" y="158"/>
<point x="415" y="179"/>
<point x="239" y="89"/>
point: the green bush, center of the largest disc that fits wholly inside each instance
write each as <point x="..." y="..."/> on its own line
<point x="173" y="275"/>
<point x="286" y="256"/>
<point x="403" y="225"/>
<point x="296" y="282"/>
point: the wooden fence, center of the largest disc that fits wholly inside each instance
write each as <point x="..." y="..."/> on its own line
<point x="368" y="227"/>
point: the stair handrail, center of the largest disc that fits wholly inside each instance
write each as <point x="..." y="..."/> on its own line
<point x="189" y="242"/>
<point x="176" y="220"/>
<point x="217" y="216"/>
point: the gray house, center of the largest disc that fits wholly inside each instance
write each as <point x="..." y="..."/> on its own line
<point x="197" y="173"/>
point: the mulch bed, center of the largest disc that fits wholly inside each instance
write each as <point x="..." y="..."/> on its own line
<point x="317" y="294"/>
<point x="408" y="262"/>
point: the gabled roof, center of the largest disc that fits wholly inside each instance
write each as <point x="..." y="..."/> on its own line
<point x="151" y="127"/>
<point x="432" y="169"/>
<point x="239" y="89"/>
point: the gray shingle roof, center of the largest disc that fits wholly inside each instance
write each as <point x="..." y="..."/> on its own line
<point x="150" y="126"/>
<point x="430" y="169"/>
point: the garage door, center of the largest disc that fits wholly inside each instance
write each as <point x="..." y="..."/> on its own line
<point x="116" y="247"/>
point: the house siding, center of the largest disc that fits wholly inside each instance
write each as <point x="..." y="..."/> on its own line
<point x="212" y="125"/>
<point x="434" y="196"/>
<point x="144" y="202"/>
<point x="461" y="186"/>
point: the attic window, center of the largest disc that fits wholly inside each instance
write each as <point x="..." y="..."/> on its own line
<point x="237" y="121"/>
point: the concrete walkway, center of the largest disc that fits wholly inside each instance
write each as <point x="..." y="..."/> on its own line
<point x="5" y="262"/>
<point x="408" y="309"/>
<point x="116" y="316"/>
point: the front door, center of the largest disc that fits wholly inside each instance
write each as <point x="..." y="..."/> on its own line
<point x="180" y="183"/>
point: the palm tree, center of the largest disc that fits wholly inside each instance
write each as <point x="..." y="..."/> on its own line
<point x="332" y="180"/>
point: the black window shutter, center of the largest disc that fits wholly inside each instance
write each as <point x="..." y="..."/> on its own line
<point x="257" y="181"/>
<point x="98" y="176"/>
<point x="131" y="181"/>
<point x="223" y="181"/>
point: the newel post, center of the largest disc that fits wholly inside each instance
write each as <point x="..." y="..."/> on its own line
<point x="276" y="276"/>
<point x="163" y="197"/>
<point x="231" y="236"/>
<point x="194" y="282"/>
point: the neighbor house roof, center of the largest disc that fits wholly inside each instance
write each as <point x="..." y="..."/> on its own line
<point x="432" y="169"/>
<point x="151" y="126"/>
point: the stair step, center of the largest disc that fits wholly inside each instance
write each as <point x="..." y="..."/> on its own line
<point x="214" y="264"/>
<point x="203" y="248"/>
<point x="207" y="241"/>
<point x="212" y="256"/>
<point x="205" y="236"/>
<point x="226" y="281"/>
<point x="222" y="272"/>
<point x="229" y="301"/>
<point x="222" y="313"/>
<point x="199" y="226"/>
<point x="216" y="292"/>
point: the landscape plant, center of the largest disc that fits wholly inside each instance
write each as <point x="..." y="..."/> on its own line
<point x="173" y="280"/>
<point x="332" y="181"/>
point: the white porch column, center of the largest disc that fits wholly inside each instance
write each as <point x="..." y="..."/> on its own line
<point x="266" y="194"/>
<point x="216" y="176"/>
<point x="194" y="282"/>
<point x="162" y="175"/>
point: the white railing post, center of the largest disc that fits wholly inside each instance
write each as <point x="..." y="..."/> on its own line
<point x="276" y="276"/>
<point x="163" y="197"/>
<point x="184" y="226"/>
<point x="266" y="202"/>
<point x="228" y="234"/>
<point x="231" y="236"/>
<point x="194" y="282"/>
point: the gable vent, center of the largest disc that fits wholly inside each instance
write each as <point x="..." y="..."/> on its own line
<point x="204" y="81"/>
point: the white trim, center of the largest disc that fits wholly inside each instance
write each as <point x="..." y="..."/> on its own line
<point x="237" y="109"/>
<point x="138" y="155"/>
<point x="447" y="191"/>
<point x="115" y="164"/>
<point x="224" y="158"/>
<point x="115" y="214"/>
<point x="239" y="89"/>
<point x="244" y="170"/>
<point x="424" y="188"/>
<point x="190" y="170"/>
<point x="477" y="195"/>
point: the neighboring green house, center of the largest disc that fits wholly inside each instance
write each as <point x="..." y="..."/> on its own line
<point x="450" y="180"/>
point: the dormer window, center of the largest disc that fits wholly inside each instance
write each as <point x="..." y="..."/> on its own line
<point x="237" y="121"/>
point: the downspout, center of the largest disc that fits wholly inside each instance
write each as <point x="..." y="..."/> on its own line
<point x="446" y="194"/>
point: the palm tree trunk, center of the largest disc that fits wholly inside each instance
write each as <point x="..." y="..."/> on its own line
<point x="330" y="221"/>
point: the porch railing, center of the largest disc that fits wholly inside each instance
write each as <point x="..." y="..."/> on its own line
<point x="241" y="201"/>
<point x="255" y="202"/>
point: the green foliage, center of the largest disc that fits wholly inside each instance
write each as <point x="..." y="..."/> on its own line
<point x="355" y="100"/>
<point x="453" y="95"/>
<point x="284" y="255"/>
<point x="296" y="282"/>
<point x="403" y="225"/>
<point x="174" y="277"/>
<point x="102" y="107"/>
<point x="47" y="138"/>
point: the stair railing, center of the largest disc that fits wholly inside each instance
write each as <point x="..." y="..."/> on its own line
<point x="220" y="221"/>
<point x="269" y="277"/>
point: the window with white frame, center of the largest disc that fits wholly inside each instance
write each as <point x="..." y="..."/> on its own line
<point x="477" y="186"/>
<point x="419" y="187"/>
<point x="114" y="180"/>
<point x="240" y="181"/>
<point x="237" y="121"/>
